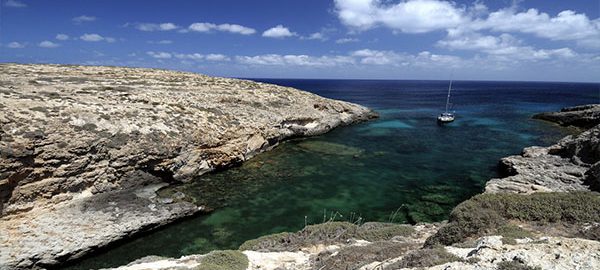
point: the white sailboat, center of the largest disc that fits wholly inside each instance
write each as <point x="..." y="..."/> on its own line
<point x="446" y="117"/>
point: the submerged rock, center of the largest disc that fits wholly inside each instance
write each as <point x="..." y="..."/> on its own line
<point x="330" y="148"/>
<point x="70" y="133"/>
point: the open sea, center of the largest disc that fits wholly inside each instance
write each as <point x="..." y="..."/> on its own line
<point x="402" y="167"/>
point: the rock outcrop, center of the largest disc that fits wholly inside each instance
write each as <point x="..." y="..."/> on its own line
<point x="585" y="116"/>
<point x="74" y="139"/>
<point x="570" y="165"/>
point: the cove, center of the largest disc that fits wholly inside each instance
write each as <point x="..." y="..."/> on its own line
<point x="401" y="168"/>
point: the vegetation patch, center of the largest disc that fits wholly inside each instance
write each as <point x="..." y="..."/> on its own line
<point x="327" y="233"/>
<point x="224" y="260"/>
<point x="376" y="231"/>
<point x="485" y="213"/>
<point x="354" y="257"/>
<point x="425" y="257"/>
<point x="516" y="265"/>
<point x="511" y="232"/>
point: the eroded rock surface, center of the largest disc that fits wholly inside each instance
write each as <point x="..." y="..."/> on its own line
<point x="569" y="165"/>
<point x="585" y="116"/>
<point x="69" y="133"/>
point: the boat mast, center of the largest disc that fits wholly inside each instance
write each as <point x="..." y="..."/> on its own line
<point x="448" y="98"/>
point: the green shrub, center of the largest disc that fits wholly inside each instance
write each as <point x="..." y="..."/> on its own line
<point x="383" y="231"/>
<point x="224" y="260"/>
<point x="516" y="265"/>
<point x="511" y="232"/>
<point x="425" y="257"/>
<point x="327" y="233"/>
<point x="486" y="212"/>
<point x="354" y="257"/>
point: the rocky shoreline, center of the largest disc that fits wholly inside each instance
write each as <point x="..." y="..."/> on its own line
<point x="84" y="148"/>
<point x="543" y="214"/>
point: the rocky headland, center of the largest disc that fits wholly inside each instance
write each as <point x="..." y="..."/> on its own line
<point x="544" y="213"/>
<point x="83" y="149"/>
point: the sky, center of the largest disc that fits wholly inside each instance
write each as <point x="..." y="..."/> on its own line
<point x="529" y="40"/>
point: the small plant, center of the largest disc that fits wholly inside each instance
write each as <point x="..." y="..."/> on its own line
<point x="425" y="257"/>
<point x="224" y="260"/>
<point x="511" y="232"/>
<point x="515" y="265"/>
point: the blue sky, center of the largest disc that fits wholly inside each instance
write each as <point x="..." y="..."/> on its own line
<point x="364" y="39"/>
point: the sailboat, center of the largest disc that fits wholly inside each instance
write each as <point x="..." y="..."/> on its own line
<point x="446" y="117"/>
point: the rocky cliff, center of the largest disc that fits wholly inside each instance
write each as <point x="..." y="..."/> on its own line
<point x="544" y="214"/>
<point x="84" y="148"/>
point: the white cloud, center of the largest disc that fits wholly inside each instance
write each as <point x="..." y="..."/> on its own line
<point x="421" y="16"/>
<point x="83" y="18"/>
<point x="316" y="36"/>
<point x="62" y="37"/>
<point x="190" y="56"/>
<point x="96" y="38"/>
<point x="48" y="44"/>
<point x="14" y="4"/>
<point x="159" y="55"/>
<point x="278" y="32"/>
<point x="161" y="42"/>
<point x="217" y="57"/>
<point x="201" y="57"/>
<point x="374" y="57"/>
<point x="295" y="60"/>
<point x="412" y="16"/>
<point x="149" y="27"/>
<point x="15" y="45"/>
<point x="567" y="25"/>
<point x="225" y="27"/>
<point x="346" y="40"/>
<point x="236" y="28"/>
<point x="202" y="27"/>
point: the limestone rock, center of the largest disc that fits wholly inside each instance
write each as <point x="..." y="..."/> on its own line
<point x="585" y="116"/>
<point x="72" y="135"/>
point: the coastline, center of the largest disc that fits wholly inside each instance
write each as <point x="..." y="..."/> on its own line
<point x="101" y="140"/>
<point x="542" y="213"/>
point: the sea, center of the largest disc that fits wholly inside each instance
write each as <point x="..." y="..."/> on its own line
<point x="402" y="167"/>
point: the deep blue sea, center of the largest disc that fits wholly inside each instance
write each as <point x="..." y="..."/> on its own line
<point x="402" y="167"/>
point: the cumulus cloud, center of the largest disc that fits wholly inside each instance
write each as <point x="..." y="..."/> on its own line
<point x="225" y="27"/>
<point x="14" y="4"/>
<point x="83" y="19"/>
<point x="295" y="60"/>
<point x="15" y="45"/>
<point x="150" y="27"/>
<point x="278" y="31"/>
<point x="413" y="16"/>
<point x="48" y="44"/>
<point x="216" y="57"/>
<point x="159" y="55"/>
<point x="62" y="37"/>
<point x="96" y="38"/>
<point x="566" y="25"/>
<point x="201" y="57"/>
<point x="236" y="29"/>
<point x="161" y="42"/>
<point x="421" y="16"/>
<point x="316" y="36"/>
<point x="346" y="40"/>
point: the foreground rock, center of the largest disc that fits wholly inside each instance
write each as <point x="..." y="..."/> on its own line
<point x="71" y="133"/>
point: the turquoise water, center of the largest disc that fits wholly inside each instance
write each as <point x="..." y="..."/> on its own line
<point x="402" y="167"/>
